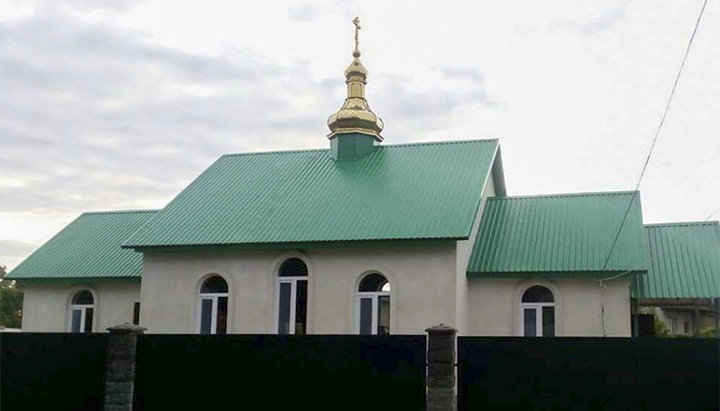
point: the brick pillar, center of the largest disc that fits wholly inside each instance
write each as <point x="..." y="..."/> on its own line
<point x="120" y="367"/>
<point x="441" y="369"/>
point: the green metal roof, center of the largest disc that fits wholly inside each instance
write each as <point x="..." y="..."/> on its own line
<point x="398" y="192"/>
<point x="89" y="247"/>
<point x="556" y="234"/>
<point x="684" y="261"/>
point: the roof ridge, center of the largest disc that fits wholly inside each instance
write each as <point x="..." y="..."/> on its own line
<point x="443" y="142"/>
<point x="560" y="195"/>
<point x="309" y="150"/>
<point x="256" y="153"/>
<point x="683" y="223"/>
<point x="139" y="211"/>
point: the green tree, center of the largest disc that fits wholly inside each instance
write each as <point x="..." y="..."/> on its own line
<point x="661" y="329"/>
<point x="11" y="298"/>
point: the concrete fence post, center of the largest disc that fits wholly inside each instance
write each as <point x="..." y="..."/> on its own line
<point x="441" y="395"/>
<point x="120" y="367"/>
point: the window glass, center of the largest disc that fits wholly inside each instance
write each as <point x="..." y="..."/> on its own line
<point x="76" y="317"/>
<point x="88" y="320"/>
<point x="530" y="322"/>
<point x="383" y="315"/>
<point x="293" y="267"/>
<point x="83" y="297"/>
<point x="548" y="321"/>
<point x="284" y="309"/>
<point x="136" y="313"/>
<point x="537" y="294"/>
<point x="214" y="284"/>
<point x="206" y="315"/>
<point x="366" y="316"/>
<point x="373" y="282"/>
<point x="292" y="298"/>
<point x="301" y="307"/>
<point x="221" y="321"/>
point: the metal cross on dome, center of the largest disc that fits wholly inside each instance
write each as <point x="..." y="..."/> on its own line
<point x="356" y="22"/>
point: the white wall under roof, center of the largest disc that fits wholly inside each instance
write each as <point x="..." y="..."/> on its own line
<point x="46" y="305"/>
<point x="424" y="293"/>
<point x="421" y="279"/>
<point x="495" y="306"/>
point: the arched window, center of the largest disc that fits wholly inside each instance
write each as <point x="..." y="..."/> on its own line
<point x="538" y="312"/>
<point x="373" y="305"/>
<point x="82" y="309"/>
<point x="213" y="306"/>
<point x="292" y="291"/>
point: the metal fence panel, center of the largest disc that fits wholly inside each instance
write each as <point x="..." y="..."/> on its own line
<point x="52" y="371"/>
<point x="587" y="373"/>
<point x="280" y="372"/>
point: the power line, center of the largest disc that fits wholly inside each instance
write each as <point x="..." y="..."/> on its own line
<point x="657" y="133"/>
<point x="647" y="161"/>
<point x="688" y="231"/>
<point x="601" y="281"/>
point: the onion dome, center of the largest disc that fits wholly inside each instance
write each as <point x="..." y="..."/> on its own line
<point x="355" y="115"/>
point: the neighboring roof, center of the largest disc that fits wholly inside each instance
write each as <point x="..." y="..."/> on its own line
<point x="684" y="261"/>
<point x="89" y="247"/>
<point x="398" y="192"/>
<point x="565" y="233"/>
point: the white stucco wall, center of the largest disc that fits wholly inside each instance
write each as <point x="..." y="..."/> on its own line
<point x="46" y="305"/>
<point x="463" y="251"/>
<point x="422" y="283"/>
<point x="495" y="306"/>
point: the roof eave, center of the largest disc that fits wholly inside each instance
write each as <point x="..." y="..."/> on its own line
<point x="401" y="242"/>
<point x="598" y="275"/>
<point x="68" y="280"/>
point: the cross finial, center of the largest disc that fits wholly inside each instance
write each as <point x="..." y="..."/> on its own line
<point x="356" y="22"/>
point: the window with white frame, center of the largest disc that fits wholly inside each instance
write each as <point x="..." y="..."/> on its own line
<point x="537" y="312"/>
<point x="373" y="305"/>
<point x="292" y="295"/>
<point x="213" y="306"/>
<point x="82" y="309"/>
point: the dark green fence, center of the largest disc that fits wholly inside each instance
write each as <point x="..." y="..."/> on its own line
<point x="588" y="374"/>
<point x="50" y="371"/>
<point x="280" y="372"/>
<point x="66" y="372"/>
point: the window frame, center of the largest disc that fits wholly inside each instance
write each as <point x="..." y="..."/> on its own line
<point x="538" y="308"/>
<point x="293" y="281"/>
<point x="375" y="298"/>
<point x="83" y="312"/>
<point x="214" y="298"/>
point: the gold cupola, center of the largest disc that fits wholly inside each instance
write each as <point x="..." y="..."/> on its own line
<point x="355" y="119"/>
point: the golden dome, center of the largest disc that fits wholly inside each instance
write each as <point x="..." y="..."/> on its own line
<point x="355" y="115"/>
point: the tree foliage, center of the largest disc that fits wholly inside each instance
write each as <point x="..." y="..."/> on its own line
<point x="11" y="298"/>
<point x="661" y="329"/>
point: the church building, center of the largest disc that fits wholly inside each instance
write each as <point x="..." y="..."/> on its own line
<point x="357" y="237"/>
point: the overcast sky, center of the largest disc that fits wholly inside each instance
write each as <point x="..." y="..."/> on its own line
<point x="119" y="104"/>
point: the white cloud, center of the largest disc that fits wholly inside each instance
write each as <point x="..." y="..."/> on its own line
<point x="111" y="105"/>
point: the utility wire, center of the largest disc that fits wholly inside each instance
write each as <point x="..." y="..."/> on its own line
<point x="657" y="132"/>
<point x="687" y="233"/>
<point x="602" y="281"/>
<point x="647" y="161"/>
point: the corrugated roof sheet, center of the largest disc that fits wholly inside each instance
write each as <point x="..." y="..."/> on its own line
<point x="413" y="191"/>
<point x="684" y="261"/>
<point x="569" y="233"/>
<point x="89" y="247"/>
